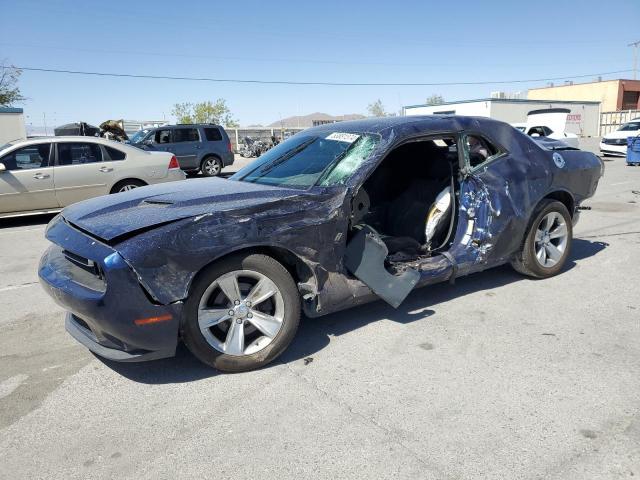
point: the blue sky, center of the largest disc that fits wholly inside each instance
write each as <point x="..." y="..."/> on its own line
<point x="395" y="42"/>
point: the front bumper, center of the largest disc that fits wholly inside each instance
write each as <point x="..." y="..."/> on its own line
<point x="108" y="310"/>
<point x="228" y="159"/>
<point x="609" y="149"/>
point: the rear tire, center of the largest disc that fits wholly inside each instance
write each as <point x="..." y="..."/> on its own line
<point x="126" y="185"/>
<point x="211" y="167"/>
<point x="547" y="244"/>
<point x="236" y="334"/>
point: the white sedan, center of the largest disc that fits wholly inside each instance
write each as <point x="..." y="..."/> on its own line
<point x="43" y="175"/>
<point x="570" y="139"/>
<point x="615" y="143"/>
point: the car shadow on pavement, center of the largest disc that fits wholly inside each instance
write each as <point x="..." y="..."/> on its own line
<point x="26" y="221"/>
<point x="314" y="334"/>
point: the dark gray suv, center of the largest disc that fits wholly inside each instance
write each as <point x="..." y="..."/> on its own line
<point x="202" y="147"/>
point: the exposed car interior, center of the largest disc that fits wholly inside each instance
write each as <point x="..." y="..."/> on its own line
<point x="411" y="199"/>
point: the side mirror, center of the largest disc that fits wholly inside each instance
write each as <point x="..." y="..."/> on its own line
<point x="2" y="168"/>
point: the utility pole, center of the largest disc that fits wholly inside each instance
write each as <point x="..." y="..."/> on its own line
<point x="635" y="58"/>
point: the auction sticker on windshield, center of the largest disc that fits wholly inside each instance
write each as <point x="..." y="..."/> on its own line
<point x="343" y="137"/>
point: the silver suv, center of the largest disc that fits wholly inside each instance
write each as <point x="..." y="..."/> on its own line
<point x="202" y="148"/>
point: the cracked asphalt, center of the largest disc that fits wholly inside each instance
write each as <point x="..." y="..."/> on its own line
<point x="497" y="377"/>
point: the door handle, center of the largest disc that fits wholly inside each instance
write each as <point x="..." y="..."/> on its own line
<point x="40" y="176"/>
<point x="105" y="169"/>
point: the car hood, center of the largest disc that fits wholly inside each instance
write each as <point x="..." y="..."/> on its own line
<point x="622" y="134"/>
<point x="114" y="217"/>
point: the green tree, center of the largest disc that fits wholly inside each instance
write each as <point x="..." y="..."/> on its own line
<point x="435" y="99"/>
<point x="9" y="91"/>
<point x="376" y="109"/>
<point x="205" y="112"/>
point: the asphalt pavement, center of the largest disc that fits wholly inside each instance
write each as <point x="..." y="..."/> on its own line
<point x="496" y="377"/>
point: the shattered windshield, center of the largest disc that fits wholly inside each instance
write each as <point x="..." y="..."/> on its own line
<point x="307" y="160"/>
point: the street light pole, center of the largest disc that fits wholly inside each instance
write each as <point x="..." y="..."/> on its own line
<point x="635" y="58"/>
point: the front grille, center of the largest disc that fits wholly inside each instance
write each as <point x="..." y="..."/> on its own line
<point x="84" y="263"/>
<point x="81" y="270"/>
<point x="614" y="141"/>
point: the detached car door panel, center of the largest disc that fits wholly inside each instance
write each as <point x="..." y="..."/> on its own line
<point x="27" y="182"/>
<point x="80" y="172"/>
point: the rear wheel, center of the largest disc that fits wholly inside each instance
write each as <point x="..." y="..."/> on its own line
<point x="242" y="313"/>
<point x="548" y="241"/>
<point x="211" y="167"/>
<point x="126" y="185"/>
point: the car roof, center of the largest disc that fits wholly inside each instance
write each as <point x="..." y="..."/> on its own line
<point x="72" y="138"/>
<point x="410" y="124"/>
<point x="187" y="125"/>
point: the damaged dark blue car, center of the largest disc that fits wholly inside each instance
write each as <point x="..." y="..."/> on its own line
<point x="334" y="217"/>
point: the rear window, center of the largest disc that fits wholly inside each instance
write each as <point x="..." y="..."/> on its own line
<point x="78" y="153"/>
<point x="185" y="135"/>
<point x="213" y="134"/>
<point x="115" y="154"/>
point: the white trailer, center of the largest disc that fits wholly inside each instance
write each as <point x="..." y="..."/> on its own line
<point x="583" y="119"/>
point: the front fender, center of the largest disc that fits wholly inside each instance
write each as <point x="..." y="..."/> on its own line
<point x="167" y="259"/>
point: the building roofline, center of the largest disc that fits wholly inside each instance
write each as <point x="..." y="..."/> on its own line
<point x="504" y="100"/>
<point x="11" y="110"/>
<point x="587" y="83"/>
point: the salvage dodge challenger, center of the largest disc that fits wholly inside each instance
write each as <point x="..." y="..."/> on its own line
<point x="334" y="217"/>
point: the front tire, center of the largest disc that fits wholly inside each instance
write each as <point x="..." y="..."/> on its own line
<point x="211" y="167"/>
<point x="242" y="313"/>
<point x="548" y="242"/>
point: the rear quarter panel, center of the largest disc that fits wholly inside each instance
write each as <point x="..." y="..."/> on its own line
<point x="149" y="167"/>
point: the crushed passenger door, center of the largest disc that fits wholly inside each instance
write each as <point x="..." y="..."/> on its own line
<point x="365" y="257"/>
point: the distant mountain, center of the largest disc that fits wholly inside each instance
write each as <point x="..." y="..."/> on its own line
<point x="305" y="121"/>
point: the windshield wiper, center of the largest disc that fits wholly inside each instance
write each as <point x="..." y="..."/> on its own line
<point x="284" y="158"/>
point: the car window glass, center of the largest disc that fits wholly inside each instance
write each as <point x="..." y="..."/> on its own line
<point x="139" y="136"/>
<point x="213" y="134"/>
<point x="353" y="158"/>
<point x="535" y="131"/>
<point x="302" y="161"/>
<point x="27" y="158"/>
<point x="115" y="154"/>
<point x="185" y="135"/>
<point x="163" y="136"/>
<point x="479" y="150"/>
<point x="78" y="153"/>
<point x="631" y="126"/>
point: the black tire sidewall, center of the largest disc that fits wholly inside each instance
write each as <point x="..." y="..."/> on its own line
<point x="529" y="253"/>
<point x="118" y="186"/>
<point x="196" y="342"/>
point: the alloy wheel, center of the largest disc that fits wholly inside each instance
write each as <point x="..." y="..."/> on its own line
<point x="551" y="239"/>
<point x="127" y="187"/>
<point x="241" y="312"/>
<point x="212" y="167"/>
